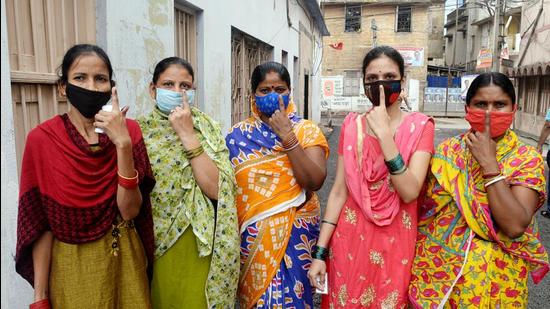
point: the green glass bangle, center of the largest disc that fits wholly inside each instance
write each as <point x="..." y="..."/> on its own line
<point x="319" y="253"/>
<point x="395" y="164"/>
<point x="399" y="172"/>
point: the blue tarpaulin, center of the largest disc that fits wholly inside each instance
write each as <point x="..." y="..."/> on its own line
<point x="437" y="81"/>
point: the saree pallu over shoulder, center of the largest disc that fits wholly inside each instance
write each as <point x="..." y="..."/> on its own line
<point x="179" y="203"/>
<point x="364" y="166"/>
<point x="456" y="227"/>
<point x="265" y="180"/>
<point x="71" y="190"/>
<point x="269" y="203"/>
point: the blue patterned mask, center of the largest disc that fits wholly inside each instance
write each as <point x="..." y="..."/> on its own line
<point x="167" y="100"/>
<point x="269" y="103"/>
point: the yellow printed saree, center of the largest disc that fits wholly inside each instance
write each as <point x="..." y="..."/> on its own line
<point x="462" y="259"/>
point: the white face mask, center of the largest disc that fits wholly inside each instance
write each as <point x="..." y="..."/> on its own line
<point x="167" y="100"/>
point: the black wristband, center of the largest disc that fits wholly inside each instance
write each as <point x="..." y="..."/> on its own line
<point x="328" y="222"/>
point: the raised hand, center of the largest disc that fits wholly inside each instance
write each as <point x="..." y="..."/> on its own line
<point x="181" y="120"/>
<point x="113" y="122"/>
<point x="378" y="118"/>
<point x="483" y="147"/>
<point x="279" y="121"/>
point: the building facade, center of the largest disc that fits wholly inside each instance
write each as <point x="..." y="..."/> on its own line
<point x="473" y="39"/>
<point x="415" y="28"/>
<point x="531" y="71"/>
<point x="224" y="40"/>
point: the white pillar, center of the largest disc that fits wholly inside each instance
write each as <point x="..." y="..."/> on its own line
<point x="16" y="292"/>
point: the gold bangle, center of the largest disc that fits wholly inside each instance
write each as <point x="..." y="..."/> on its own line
<point x="193" y="153"/>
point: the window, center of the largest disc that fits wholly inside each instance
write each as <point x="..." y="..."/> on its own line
<point x="353" y="18"/>
<point x="35" y="50"/>
<point x="403" y="20"/>
<point x="284" y="58"/>
<point x="352" y="83"/>
<point x="185" y="36"/>
<point x="246" y="53"/>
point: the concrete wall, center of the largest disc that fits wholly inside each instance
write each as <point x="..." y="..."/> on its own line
<point x="436" y="44"/>
<point x="16" y="293"/>
<point x="135" y="35"/>
<point x="460" y="40"/>
<point x="538" y="50"/>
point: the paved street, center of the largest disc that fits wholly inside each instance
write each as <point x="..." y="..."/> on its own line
<point x="539" y="295"/>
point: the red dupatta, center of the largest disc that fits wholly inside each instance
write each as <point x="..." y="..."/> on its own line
<point x="71" y="190"/>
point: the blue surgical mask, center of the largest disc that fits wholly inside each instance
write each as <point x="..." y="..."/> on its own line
<point x="269" y="103"/>
<point x="167" y="100"/>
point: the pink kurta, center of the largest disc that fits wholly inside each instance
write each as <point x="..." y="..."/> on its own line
<point x="372" y="248"/>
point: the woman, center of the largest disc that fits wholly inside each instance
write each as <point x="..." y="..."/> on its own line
<point x="477" y="238"/>
<point x="279" y="161"/>
<point x="370" y="221"/>
<point x="84" y="197"/>
<point x="197" y="243"/>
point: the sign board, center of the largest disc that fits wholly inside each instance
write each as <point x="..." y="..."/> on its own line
<point x="336" y="103"/>
<point x="332" y="86"/>
<point x="434" y="100"/>
<point x="340" y="103"/>
<point x="413" y="56"/>
<point x="465" y="82"/>
<point x="360" y="103"/>
<point x="484" y="59"/>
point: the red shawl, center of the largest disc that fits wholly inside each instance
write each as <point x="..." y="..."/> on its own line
<point x="71" y="190"/>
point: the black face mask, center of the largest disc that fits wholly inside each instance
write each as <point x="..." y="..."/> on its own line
<point x="87" y="102"/>
<point x="392" y="89"/>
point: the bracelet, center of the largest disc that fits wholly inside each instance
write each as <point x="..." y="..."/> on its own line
<point x="193" y="153"/>
<point x="292" y="147"/>
<point x="328" y="222"/>
<point x="128" y="183"/>
<point x="395" y="164"/>
<point x="319" y="253"/>
<point x="494" y="180"/>
<point x="399" y="172"/>
<point x="41" y="304"/>
<point x="291" y="143"/>
<point x="490" y="175"/>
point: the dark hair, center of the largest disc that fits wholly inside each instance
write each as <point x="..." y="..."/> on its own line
<point x="74" y="53"/>
<point x="167" y="62"/>
<point x="259" y="73"/>
<point x="491" y="78"/>
<point x="387" y="51"/>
